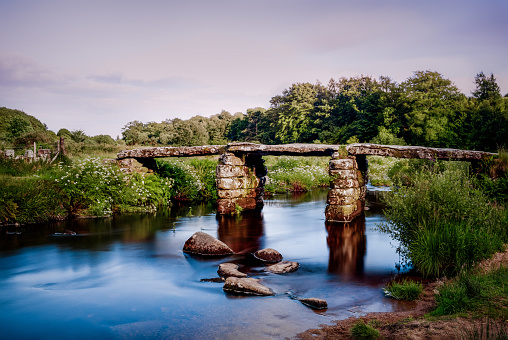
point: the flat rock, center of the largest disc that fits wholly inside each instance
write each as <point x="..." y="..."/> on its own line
<point x="283" y="267"/>
<point x="246" y="286"/>
<point x="314" y="303"/>
<point x="203" y="244"/>
<point x="268" y="255"/>
<point x="229" y="269"/>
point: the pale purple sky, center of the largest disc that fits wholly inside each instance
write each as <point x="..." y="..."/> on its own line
<point x="96" y="65"/>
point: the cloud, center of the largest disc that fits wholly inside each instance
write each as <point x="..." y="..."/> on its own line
<point x="17" y="70"/>
<point x="175" y="83"/>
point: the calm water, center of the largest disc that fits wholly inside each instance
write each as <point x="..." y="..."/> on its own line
<point x="127" y="277"/>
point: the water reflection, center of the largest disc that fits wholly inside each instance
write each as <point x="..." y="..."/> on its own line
<point x="242" y="234"/>
<point x="347" y="244"/>
<point x="127" y="276"/>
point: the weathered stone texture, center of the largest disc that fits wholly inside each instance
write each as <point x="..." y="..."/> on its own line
<point x="343" y="164"/>
<point x="237" y="193"/>
<point x="268" y="255"/>
<point x="229" y="205"/>
<point x="415" y="152"/>
<point x="247" y="286"/>
<point x="180" y="151"/>
<point x="227" y="171"/>
<point x="201" y="243"/>
<point x="314" y="303"/>
<point x="230" y="159"/>
<point x="344" y="213"/>
<point x="283" y="267"/>
<point x="343" y="174"/>
<point x="229" y="269"/>
<point x="337" y="183"/>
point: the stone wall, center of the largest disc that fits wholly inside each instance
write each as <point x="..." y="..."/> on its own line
<point x="348" y="178"/>
<point x="240" y="183"/>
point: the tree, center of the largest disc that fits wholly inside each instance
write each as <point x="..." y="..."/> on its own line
<point x="103" y="139"/>
<point x="486" y="87"/>
<point x="133" y="133"/>
<point x="17" y="126"/>
<point x="295" y="112"/>
<point x="429" y="104"/>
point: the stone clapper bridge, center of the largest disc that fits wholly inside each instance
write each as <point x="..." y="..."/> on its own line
<point x="241" y="174"/>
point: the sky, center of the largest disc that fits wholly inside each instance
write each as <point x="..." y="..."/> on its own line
<point x="97" y="65"/>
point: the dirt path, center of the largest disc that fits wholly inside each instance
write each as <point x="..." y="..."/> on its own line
<point x="412" y="324"/>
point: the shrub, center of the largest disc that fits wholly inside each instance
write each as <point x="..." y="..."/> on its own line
<point x="443" y="223"/>
<point x="29" y="200"/>
<point x="363" y="331"/>
<point x="95" y="188"/>
<point x="193" y="180"/>
<point x="406" y="290"/>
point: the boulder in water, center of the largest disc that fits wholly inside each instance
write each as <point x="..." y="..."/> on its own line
<point x="268" y="255"/>
<point x="203" y="244"/>
<point x="283" y="267"/>
<point x="246" y="286"/>
<point x="229" y="269"/>
<point x="314" y="303"/>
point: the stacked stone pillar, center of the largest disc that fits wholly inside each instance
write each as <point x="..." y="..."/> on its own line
<point x="348" y="179"/>
<point x="240" y="183"/>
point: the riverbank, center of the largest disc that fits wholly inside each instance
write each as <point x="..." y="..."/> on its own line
<point x="416" y="323"/>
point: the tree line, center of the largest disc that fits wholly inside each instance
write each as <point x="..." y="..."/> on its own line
<point x="426" y="109"/>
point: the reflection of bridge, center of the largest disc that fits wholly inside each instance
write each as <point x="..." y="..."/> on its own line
<point x="241" y="172"/>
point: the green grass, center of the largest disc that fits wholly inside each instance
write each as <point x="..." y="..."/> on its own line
<point x="193" y="178"/>
<point x="83" y="187"/>
<point x="296" y="174"/>
<point x="363" y="331"/>
<point x="405" y="290"/>
<point x="482" y="295"/>
<point x="443" y="223"/>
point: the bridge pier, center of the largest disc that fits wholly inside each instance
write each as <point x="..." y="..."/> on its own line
<point x="348" y="187"/>
<point x="240" y="183"/>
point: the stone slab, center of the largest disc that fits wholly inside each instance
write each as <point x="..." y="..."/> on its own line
<point x="227" y="171"/>
<point x="230" y="159"/>
<point x="179" y="151"/>
<point x="339" y="183"/>
<point x="344" y="213"/>
<point x="232" y="183"/>
<point x="421" y="152"/>
<point x="343" y="164"/>
<point x="236" y="193"/>
<point x="228" y="205"/>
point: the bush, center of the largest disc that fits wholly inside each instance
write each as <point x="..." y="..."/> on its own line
<point x="443" y="223"/>
<point x="29" y="200"/>
<point x="363" y="331"/>
<point x="193" y="181"/>
<point x="406" y="290"/>
<point x="94" y="188"/>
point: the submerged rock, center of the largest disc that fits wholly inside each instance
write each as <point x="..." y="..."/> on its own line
<point x="213" y="279"/>
<point x="268" y="255"/>
<point x="247" y="286"/>
<point x="314" y="303"/>
<point x="203" y="244"/>
<point x="283" y="267"/>
<point x="229" y="269"/>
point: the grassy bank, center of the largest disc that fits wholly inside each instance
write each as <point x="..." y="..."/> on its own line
<point x="38" y="192"/>
<point x="443" y="222"/>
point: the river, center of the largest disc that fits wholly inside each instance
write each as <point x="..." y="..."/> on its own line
<point x="126" y="276"/>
